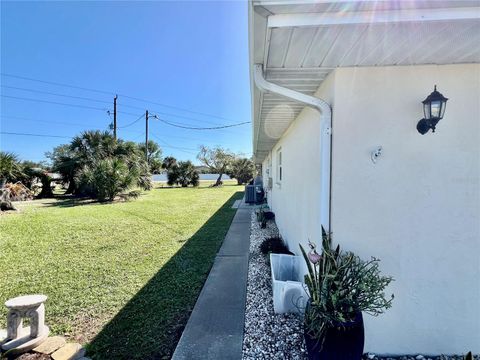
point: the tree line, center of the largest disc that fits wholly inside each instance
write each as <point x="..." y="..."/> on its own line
<point x="96" y="165"/>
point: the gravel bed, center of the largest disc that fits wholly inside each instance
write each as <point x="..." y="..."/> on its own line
<point x="280" y="336"/>
<point x="267" y="335"/>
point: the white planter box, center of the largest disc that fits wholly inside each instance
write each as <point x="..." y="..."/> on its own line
<point x="289" y="291"/>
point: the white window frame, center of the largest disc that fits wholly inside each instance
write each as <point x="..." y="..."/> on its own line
<point x="279" y="172"/>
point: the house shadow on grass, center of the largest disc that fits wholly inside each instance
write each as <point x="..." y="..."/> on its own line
<point x="64" y="201"/>
<point x="151" y="323"/>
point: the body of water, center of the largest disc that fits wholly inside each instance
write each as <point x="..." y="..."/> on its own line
<point x="163" y="177"/>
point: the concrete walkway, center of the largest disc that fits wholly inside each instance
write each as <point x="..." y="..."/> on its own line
<point x="215" y="327"/>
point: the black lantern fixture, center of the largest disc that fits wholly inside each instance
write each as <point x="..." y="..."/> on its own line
<point x="433" y="110"/>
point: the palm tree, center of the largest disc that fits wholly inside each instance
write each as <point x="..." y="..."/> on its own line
<point x="66" y="163"/>
<point x="93" y="145"/>
<point x="92" y="157"/>
<point x="154" y="156"/>
<point x="10" y="168"/>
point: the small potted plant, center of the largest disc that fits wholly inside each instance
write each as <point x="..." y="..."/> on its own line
<point x="263" y="215"/>
<point x="341" y="286"/>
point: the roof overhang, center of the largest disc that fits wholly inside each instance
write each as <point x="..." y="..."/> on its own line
<point x="300" y="42"/>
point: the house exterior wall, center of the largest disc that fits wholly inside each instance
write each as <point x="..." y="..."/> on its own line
<point x="417" y="208"/>
<point x="296" y="200"/>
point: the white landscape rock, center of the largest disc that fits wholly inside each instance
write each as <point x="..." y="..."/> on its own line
<point x="267" y="335"/>
<point x="280" y="336"/>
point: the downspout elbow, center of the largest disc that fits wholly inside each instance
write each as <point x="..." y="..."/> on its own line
<point x="321" y="105"/>
<point x="326" y="137"/>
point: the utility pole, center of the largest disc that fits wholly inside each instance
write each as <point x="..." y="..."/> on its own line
<point x="146" y="136"/>
<point x="115" y="117"/>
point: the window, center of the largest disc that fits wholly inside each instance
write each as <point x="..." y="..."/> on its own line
<point x="279" y="166"/>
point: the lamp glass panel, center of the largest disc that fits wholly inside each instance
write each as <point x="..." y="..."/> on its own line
<point x="442" y="111"/>
<point x="426" y="110"/>
<point x="435" y="108"/>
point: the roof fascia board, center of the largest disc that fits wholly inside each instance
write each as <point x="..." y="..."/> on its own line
<point x="308" y="2"/>
<point x="372" y="17"/>
<point x="251" y="61"/>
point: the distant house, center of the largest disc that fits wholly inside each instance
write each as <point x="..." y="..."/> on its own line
<point x="337" y="91"/>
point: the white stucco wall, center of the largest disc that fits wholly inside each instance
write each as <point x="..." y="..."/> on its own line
<point x="417" y="208"/>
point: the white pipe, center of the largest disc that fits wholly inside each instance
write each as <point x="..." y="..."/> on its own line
<point x="325" y="135"/>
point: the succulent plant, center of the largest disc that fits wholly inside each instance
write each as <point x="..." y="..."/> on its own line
<point x="341" y="285"/>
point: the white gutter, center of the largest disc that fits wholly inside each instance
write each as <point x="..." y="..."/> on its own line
<point x="325" y="136"/>
<point x="372" y="17"/>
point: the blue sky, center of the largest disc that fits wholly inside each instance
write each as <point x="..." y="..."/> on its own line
<point x="186" y="55"/>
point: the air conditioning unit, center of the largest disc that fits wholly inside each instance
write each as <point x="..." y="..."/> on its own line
<point x="250" y="194"/>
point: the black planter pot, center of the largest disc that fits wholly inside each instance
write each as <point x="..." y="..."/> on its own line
<point x="344" y="342"/>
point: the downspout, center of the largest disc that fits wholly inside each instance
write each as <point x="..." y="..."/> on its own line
<point x="325" y="137"/>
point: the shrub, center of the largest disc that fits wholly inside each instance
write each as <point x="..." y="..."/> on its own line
<point x="263" y="215"/>
<point x="95" y="154"/>
<point x="275" y="245"/>
<point x="242" y="169"/>
<point x="10" y="167"/>
<point x="105" y="179"/>
<point x="183" y="173"/>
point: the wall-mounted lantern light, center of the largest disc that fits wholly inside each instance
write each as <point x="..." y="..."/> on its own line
<point x="433" y="110"/>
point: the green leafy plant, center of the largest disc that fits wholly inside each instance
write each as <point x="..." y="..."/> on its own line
<point x="183" y="173"/>
<point x="96" y="152"/>
<point x="10" y="167"/>
<point x="263" y="215"/>
<point x="275" y="245"/>
<point x="242" y="169"/>
<point x="108" y="178"/>
<point x="341" y="285"/>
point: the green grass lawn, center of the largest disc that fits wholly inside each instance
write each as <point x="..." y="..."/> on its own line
<point x="122" y="277"/>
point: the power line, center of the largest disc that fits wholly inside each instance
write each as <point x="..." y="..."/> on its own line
<point x="66" y="104"/>
<point x="96" y="100"/>
<point x="133" y="122"/>
<point x="174" y="147"/>
<point x="167" y="145"/>
<point x="201" y="140"/>
<point x="176" y="108"/>
<point x="55" y="102"/>
<point x="111" y="93"/>
<point x="54" y="94"/>
<point x="203" y="128"/>
<point x="57" y="84"/>
<point x="86" y="125"/>
<point x="38" y="135"/>
<point x="170" y="114"/>
<point x="59" y="123"/>
<point x="125" y="113"/>
<point x="42" y="121"/>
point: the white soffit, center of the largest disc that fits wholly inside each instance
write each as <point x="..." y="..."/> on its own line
<point x="301" y="42"/>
